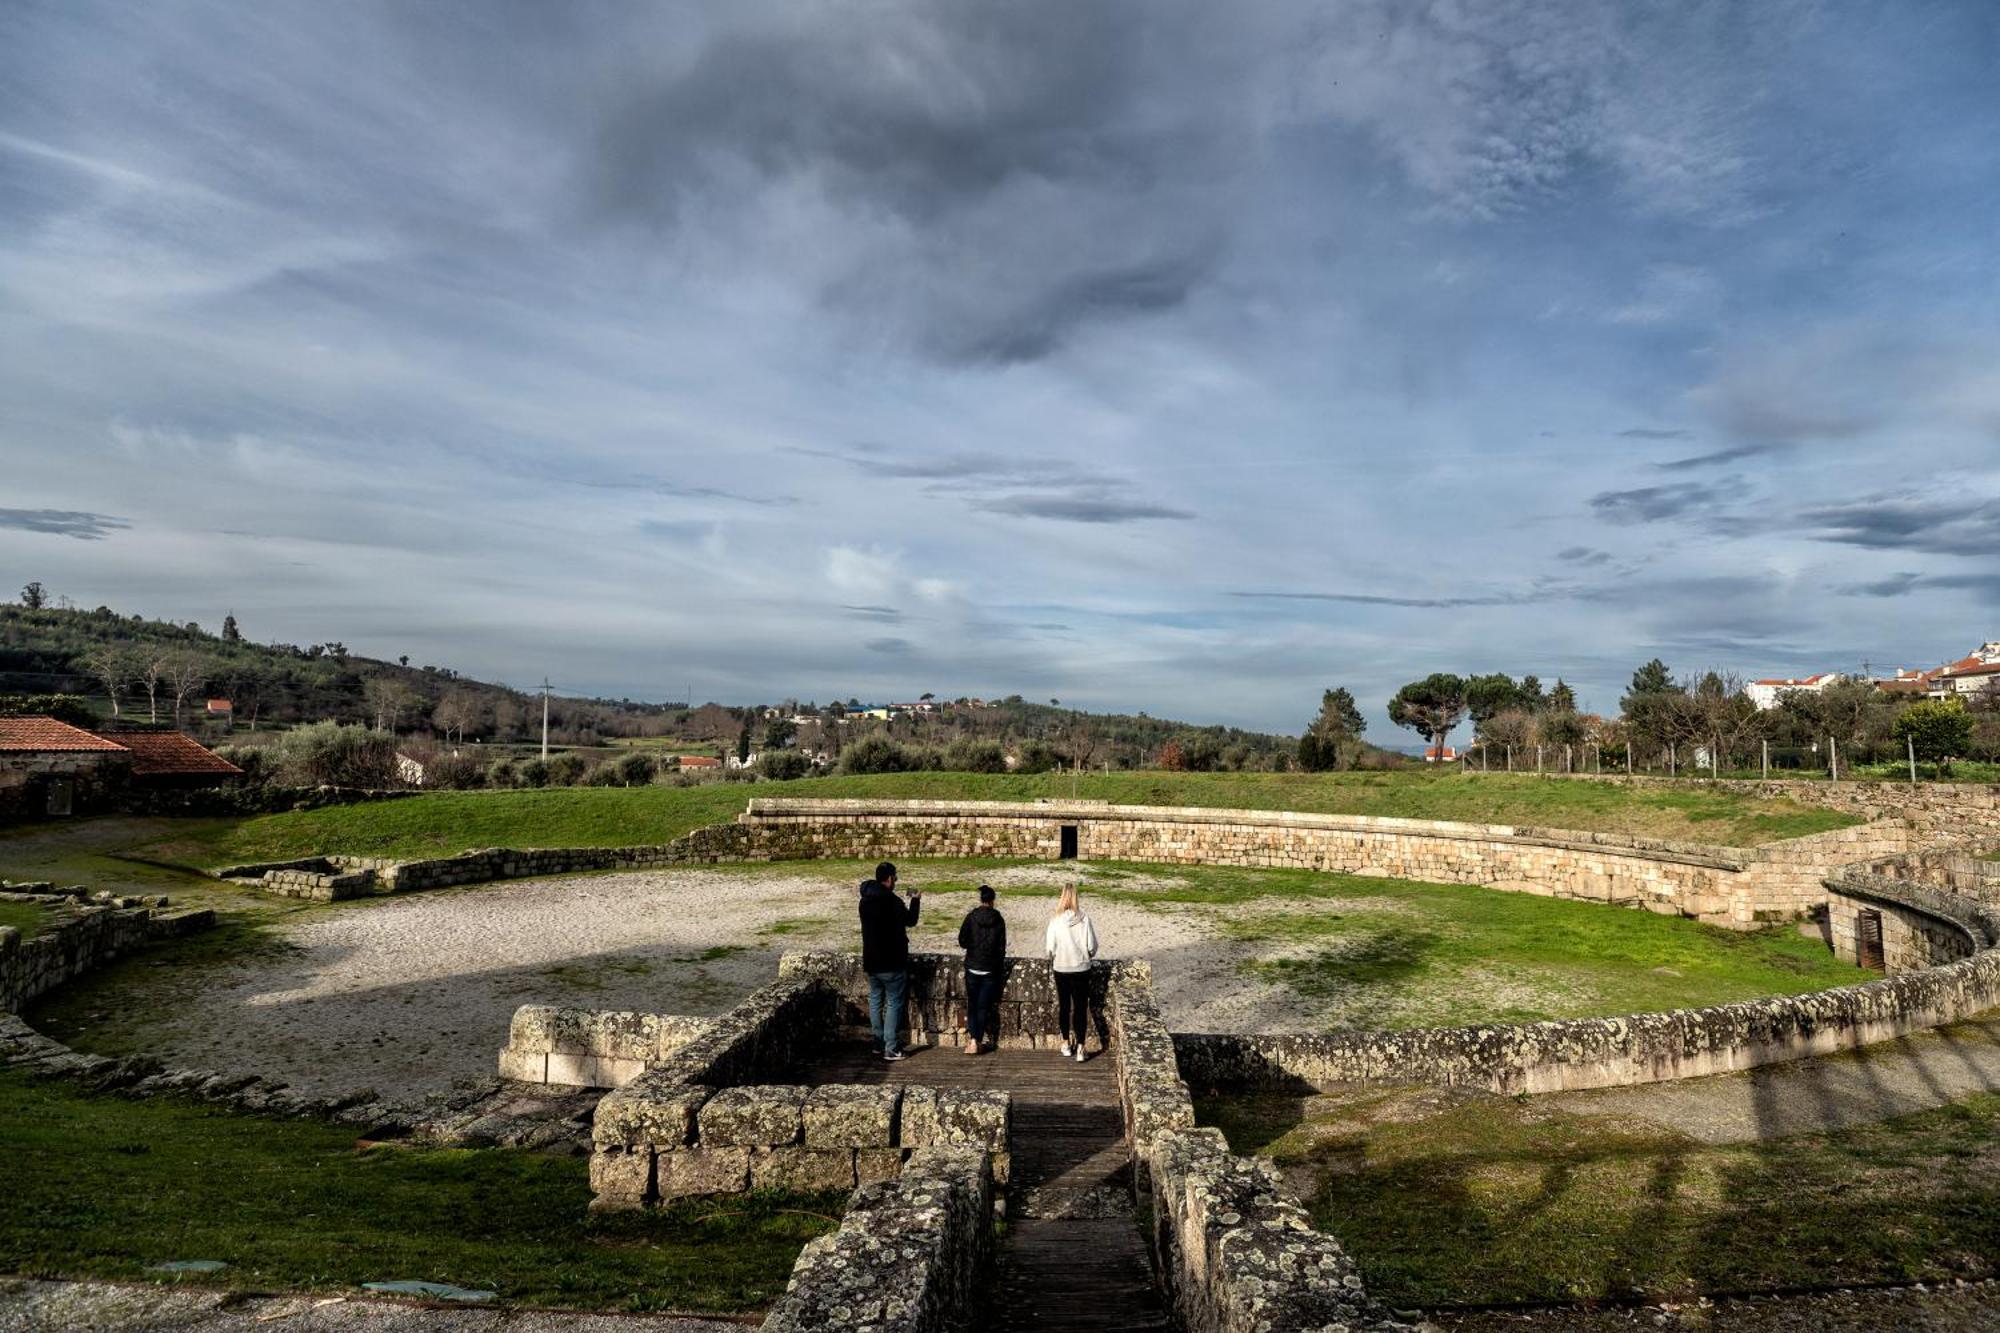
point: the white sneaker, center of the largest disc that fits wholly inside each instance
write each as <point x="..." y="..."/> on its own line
<point x="1065" y="1050"/>
<point x="1079" y="1054"/>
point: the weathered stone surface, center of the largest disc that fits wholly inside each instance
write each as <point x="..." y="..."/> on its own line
<point x="762" y="1115"/>
<point x="852" y="1117"/>
<point x="907" y="1258"/>
<point x="623" y="1172"/>
<point x="877" y="1164"/>
<point x="803" y="1169"/>
<point x="645" y="1115"/>
<point x="692" y="1171"/>
<point x="937" y="1116"/>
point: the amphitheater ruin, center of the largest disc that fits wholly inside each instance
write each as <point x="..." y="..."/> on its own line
<point x="1103" y="1156"/>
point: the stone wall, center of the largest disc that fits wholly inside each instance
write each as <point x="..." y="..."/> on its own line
<point x="1739" y="888"/>
<point x="591" y="1048"/>
<point x="95" y="776"/>
<point x="1647" y="1048"/>
<point x="78" y="935"/>
<point x="910" y="1254"/>
<point x="936" y="1004"/>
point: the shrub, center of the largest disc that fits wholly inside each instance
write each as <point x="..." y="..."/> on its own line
<point x="254" y="760"/>
<point x="336" y="754"/>
<point x="566" y="770"/>
<point x="533" y="773"/>
<point x="967" y="755"/>
<point x="446" y="771"/>
<point x="636" y="769"/>
<point x="877" y="754"/>
<point x="784" y="765"/>
<point x="502" y="774"/>
<point x="1036" y="757"/>
<point x="1940" y="730"/>
<point x="604" y="775"/>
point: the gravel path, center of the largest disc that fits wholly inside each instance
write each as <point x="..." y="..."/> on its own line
<point x="411" y="994"/>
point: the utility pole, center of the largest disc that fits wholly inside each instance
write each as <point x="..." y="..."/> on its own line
<point x="545" y="719"/>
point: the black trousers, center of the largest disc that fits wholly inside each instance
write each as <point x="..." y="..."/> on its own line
<point x="1073" y="1005"/>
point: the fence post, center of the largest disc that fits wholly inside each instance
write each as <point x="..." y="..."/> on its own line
<point x="1911" y="741"/>
<point x="1767" y="761"/>
<point x="1510" y="757"/>
<point x="1833" y="758"/>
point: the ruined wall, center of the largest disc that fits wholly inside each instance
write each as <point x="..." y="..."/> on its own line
<point x="79" y="935"/>
<point x="909" y="1257"/>
<point x="1940" y="811"/>
<point x="591" y="1048"/>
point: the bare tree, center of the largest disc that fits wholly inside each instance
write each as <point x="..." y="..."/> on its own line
<point x="150" y="672"/>
<point x="458" y="711"/>
<point x="112" y="666"/>
<point x="186" y="673"/>
<point x="390" y="700"/>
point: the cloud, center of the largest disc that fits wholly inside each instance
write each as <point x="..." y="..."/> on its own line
<point x="1584" y="555"/>
<point x="1653" y="504"/>
<point x="880" y="613"/>
<point x="1079" y="509"/>
<point x="1720" y="456"/>
<point x="1910" y="522"/>
<point x="1904" y="583"/>
<point x="62" y="523"/>
<point x="890" y="647"/>
<point x="1429" y="603"/>
<point x="1648" y="433"/>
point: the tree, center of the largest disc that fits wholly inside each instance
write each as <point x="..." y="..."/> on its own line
<point x="1339" y="722"/>
<point x="1562" y="699"/>
<point x="1939" y="730"/>
<point x="1490" y="695"/>
<point x="1172" y="758"/>
<point x="743" y="738"/>
<point x="34" y="596"/>
<point x="780" y="732"/>
<point x="1431" y="707"/>
<point x="112" y="667"/>
<point x="390" y="701"/>
<point x="459" y="711"/>
<point x="1649" y="705"/>
<point x="151" y="670"/>
<point x="230" y="634"/>
<point x="186" y="673"/>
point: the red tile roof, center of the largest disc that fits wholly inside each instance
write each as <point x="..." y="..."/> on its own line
<point x="699" y="761"/>
<point x="170" y="754"/>
<point x="33" y="734"/>
<point x="1969" y="666"/>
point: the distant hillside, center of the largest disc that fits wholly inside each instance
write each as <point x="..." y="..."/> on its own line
<point x="141" y="669"/>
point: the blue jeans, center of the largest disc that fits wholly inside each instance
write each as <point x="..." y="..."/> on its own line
<point x="887" y="992"/>
<point x="982" y="993"/>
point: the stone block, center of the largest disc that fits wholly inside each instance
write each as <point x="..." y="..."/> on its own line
<point x="624" y="1173"/>
<point x="872" y="1164"/>
<point x="752" y="1117"/>
<point x="686" y="1172"/>
<point x="527" y="1066"/>
<point x="645" y="1114"/>
<point x="933" y="1117"/>
<point x="807" y="1170"/>
<point x="851" y="1117"/>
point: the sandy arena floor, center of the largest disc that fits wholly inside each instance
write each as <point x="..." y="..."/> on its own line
<point x="408" y="995"/>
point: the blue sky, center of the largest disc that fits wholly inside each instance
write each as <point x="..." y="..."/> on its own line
<point x="1155" y="355"/>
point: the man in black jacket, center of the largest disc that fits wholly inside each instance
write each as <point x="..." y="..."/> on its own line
<point x="983" y="936"/>
<point x="885" y="955"/>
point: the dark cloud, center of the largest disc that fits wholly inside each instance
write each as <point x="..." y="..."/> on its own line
<point x="1909" y="522"/>
<point x="1652" y="504"/>
<point x="1003" y="175"/>
<point x="1584" y="555"/>
<point x="1647" y="433"/>
<point x="1720" y="456"/>
<point x="1079" y="508"/>
<point x="889" y="647"/>
<point x="62" y="523"/>
<point x="881" y="613"/>
<point x="1904" y="583"/>
<point x="1427" y="603"/>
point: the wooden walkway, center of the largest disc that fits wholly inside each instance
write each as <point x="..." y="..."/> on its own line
<point x="1073" y="1257"/>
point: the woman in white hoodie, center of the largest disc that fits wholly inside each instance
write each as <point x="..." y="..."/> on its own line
<point x="1071" y="943"/>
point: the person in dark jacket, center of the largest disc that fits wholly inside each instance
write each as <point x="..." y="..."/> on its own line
<point x="983" y="936"/>
<point x="885" y="955"/>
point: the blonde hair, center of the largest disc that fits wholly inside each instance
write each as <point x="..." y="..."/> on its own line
<point x="1067" y="902"/>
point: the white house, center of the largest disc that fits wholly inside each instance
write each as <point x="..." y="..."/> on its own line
<point x="1974" y="674"/>
<point x="1764" y="693"/>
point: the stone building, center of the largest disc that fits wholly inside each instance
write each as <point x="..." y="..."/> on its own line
<point x="51" y="768"/>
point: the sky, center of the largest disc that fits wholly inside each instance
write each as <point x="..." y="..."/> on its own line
<point x="1161" y="356"/>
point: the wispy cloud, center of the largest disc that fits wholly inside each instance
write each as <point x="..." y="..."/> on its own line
<point x="62" y="523"/>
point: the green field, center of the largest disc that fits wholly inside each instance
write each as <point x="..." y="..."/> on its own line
<point x="102" y="1187"/>
<point x="446" y="822"/>
<point x="1497" y="1200"/>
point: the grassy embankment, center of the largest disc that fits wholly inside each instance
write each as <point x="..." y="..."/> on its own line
<point x="24" y="917"/>
<point x="447" y="822"/>
<point x="1500" y="1200"/>
<point x="101" y="1187"/>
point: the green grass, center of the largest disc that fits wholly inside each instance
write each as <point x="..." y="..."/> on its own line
<point x="1500" y="1200"/>
<point x="24" y="917"/>
<point x="101" y="1187"/>
<point x="446" y="822"/>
